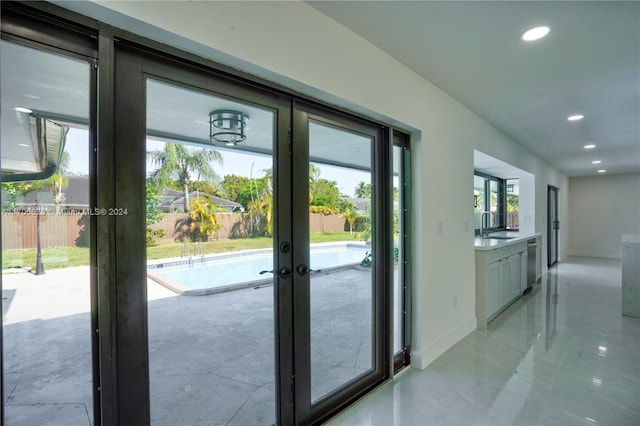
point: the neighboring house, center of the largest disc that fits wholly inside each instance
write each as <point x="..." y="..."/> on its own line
<point x="173" y="201"/>
<point x="360" y="205"/>
<point x="363" y="205"/>
<point x="76" y="197"/>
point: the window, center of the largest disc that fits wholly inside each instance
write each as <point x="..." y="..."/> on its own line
<point x="401" y="253"/>
<point x="48" y="320"/>
<point x="497" y="196"/>
<point x="513" y="204"/>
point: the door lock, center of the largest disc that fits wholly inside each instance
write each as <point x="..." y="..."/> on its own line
<point x="304" y="269"/>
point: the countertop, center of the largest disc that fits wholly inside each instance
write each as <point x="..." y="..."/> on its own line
<point x="492" y="243"/>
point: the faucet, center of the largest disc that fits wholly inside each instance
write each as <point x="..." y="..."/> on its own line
<point x="482" y="230"/>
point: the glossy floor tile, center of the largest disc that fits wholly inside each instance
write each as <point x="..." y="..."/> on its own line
<point x="561" y="355"/>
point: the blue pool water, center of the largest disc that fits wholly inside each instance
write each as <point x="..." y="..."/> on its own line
<point x="230" y="269"/>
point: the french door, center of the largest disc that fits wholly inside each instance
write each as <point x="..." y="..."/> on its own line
<point x="553" y="225"/>
<point x="340" y="349"/>
<point x="290" y="323"/>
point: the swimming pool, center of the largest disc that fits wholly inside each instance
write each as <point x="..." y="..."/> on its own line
<point x="230" y="271"/>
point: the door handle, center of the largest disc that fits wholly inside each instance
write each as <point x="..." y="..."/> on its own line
<point x="282" y="273"/>
<point x="304" y="269"/>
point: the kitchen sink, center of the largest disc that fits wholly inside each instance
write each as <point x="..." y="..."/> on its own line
<point x="489" y="237"/>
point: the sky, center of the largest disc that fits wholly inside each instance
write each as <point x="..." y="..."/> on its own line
<point x="236" y="163"/>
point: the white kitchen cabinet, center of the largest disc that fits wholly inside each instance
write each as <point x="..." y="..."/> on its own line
<point x="500" y="277"/>
<point x="493" y="293"/>
<point x="509" y="279"/>
<point x="524" y="261"/>
<point x="506" y="274"/>
<point x="514" y="279"/>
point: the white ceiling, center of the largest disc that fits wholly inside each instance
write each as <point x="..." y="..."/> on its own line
<point x="51" y="86"/>
<point x="175" y="113"/>
<point x="588" y="64"/>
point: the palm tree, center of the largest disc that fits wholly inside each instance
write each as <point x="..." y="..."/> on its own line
<point x="363" y="190"/>
<point x="261" y="207"/>
<point x="177" y="161"/>
<point x="314" y="176"/>
<point x="200" y="224"/>
<point x="204" y="222"/>
<point x="350" y="216"/>
<point x="59" y="180"/>
<point x="267" y="200"/>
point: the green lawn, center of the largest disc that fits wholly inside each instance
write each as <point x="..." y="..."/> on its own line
<point x="64" y="257"/>
<point x="52" y="258"/>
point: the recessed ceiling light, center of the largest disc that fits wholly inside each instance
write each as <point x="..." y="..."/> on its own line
<point x="22" y="109"/>
<point x="601" y="171"/>
<point x="589" y="146"/>
<point x="575" y="117"/>
<point x="535" y="33"/>
<point x="596" y="162"/>
<point x="26" y="145"/>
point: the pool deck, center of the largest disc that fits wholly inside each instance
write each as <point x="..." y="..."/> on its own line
<point x="211" y="357"/>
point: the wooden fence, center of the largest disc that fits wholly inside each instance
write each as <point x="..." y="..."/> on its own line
<point x="238" y="225"/>
<point x="19" y="230"/>
<point x="512" y="220"/>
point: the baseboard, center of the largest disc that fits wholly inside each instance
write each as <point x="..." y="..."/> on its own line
<point x="420" y="359"/>
<point x="607" y="254"/>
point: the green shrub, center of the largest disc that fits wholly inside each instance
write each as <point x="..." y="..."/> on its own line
<point x="152" y="235"/>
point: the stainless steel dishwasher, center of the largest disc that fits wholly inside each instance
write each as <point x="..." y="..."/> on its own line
<point x="531" y="263"/>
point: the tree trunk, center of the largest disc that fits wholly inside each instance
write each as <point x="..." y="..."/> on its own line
<point x="39" y="265"/>
<point x="185" y="188"/>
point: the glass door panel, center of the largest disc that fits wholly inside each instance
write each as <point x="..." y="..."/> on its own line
<point x="479" y="207"/>
<point x="340" y="230"/>
<point x="46" y="278"/>
<point x="398" y="252"/>
<point x="209" y="258"/>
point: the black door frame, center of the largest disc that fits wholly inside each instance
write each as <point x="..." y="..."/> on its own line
<point x="402" y="358"/>
<point x="77" y="39"/>
<point x="133" y="67"/>
<point x="382" y="205"/>
<point x="120" y="357"/>
<point x="553" y="224"/>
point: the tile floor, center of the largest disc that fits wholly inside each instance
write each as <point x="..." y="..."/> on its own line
<point x="561" y="355"/>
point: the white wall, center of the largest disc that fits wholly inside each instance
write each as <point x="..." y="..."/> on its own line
<point x="293" y="44"/>
<point x="601" y="210"/>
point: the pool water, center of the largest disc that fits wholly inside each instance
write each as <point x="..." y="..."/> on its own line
<point x="230" y="270"/>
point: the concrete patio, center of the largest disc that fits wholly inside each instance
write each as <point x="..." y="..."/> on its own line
<point x="211" y="357"/>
